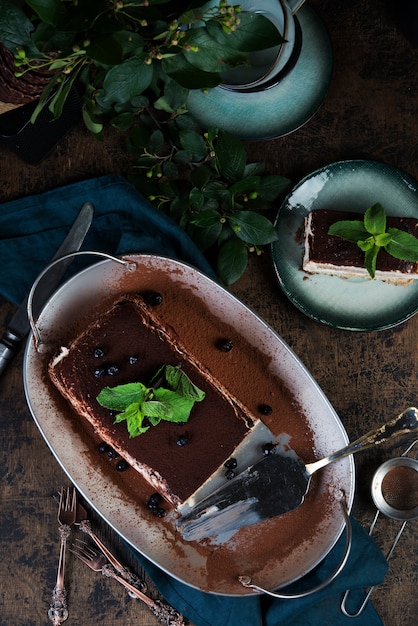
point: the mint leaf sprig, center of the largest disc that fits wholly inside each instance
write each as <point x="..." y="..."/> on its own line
<point x="371" y="235"/>
<point x="143" y="407"/>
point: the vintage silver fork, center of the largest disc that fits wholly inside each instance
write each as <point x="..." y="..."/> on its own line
<point x="67" y="507"/>
<point x="85" y="526"/>
<point x="164" y="612"/>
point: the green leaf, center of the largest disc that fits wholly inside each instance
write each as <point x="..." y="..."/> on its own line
<point x="212" y="56"/>
<point x="231" y="156"/>
<point x="205" y="237"/>
<point x="353" y="231"/>
<point x="200" y="176"/>
<point x="50" y="11"/>
<point x="120" y="397"/>
<point x="15" y="28"/>
<point x="187" y="75"/>
<point x="382" y="239"/>
<point x="370" y="258"/>
<point x="207" y="218"/>
<point x="403" y="245"/>
<point x="106" y="50"/>
<point x="135" y="402"/>
<point x="127" y="80"/>
<point x="93" y="126"/>
<point x="232" y="261"/>
<point x="246" y="184"/>
<point x="366" y="244"/>
<point x="253" y="228"/>
<point x="181" y="383"/>
<point x="154" y="408"/>
<point x="134" y="420"/>
<point x="197" y="199"/>
<point x="180" y="407"/>
<point x="273" y="186"/>
<point x="123" y="121"/>
<point x="194" y="144"/>
<point x="375" y="219"/>
<point x="254" y="32"/>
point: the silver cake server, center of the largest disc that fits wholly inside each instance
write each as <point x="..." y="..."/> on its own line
<point x="19" y="326"/>
<point x="275" y="485"/>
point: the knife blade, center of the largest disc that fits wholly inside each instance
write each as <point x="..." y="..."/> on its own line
<point x="19" y="326"/>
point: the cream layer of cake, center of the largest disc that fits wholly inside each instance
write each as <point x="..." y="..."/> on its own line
<point x="328" y="254"/>
<point x="133" y="343"/>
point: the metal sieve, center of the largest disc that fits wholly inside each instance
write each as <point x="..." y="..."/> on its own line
<point x="395" y="494"/>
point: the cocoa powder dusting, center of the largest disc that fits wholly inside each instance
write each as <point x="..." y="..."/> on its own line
<point x="272" y="550"/>
<point x="400" y="488"/>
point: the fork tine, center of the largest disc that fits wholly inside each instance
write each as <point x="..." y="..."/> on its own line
<point x="82" y="549"/>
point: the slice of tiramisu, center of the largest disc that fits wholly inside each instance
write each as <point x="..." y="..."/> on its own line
<point x="332" y="255"/>
<point x="128" y="343"/>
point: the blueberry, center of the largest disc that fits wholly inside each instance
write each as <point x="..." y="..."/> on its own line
<point x="122" y="465"/>
<point x="182" y="440"/>
<point x="112" y="370"/>
<point x="154" y="501"/>
<point x="133" y="360"/>
<point x="265" y="409"/>
<point x="103" y="447"/>
<point x="160" y="512"/>
<point x="231" y="463"/>
<point x="230" y="474"/>
<point x="112" y="454"/>
<point x="268" y="448"/>
<point x="153" y="298"/>
<point x="225" y="345"/>
<point x="98" y="353"/>
<point x="99" y="372"/>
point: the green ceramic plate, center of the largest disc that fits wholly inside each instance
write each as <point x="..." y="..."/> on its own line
<point x="281" y="109"/>
<point x="351" y="304"/>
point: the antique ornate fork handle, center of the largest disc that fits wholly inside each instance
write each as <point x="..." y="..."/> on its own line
<point x="58" y="611"/>
<point x="125" y="572"/>
<point x="164" y="612"/>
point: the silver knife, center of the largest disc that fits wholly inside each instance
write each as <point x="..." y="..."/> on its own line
<point x="19" y="326"/>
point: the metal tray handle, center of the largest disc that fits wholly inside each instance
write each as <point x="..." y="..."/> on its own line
<point x="130" y="266"/>
<point x="247" y="582"/>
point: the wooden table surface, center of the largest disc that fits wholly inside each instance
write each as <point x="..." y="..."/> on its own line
<point x="369" y="112"/>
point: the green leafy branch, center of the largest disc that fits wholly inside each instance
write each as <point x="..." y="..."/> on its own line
<point x="371" y="235"/>
<point x="134" y="62"/>
<point x="119" y="49"/>
<point x="142" y="407"/>
<point x="203" y="180"/>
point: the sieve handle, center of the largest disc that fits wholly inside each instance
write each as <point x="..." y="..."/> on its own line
<point x="130" y="266"/>
<point x="406" y="422"/>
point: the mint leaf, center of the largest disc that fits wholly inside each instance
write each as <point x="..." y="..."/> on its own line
<point x="375" y="219"/>
<point x="370" y="258"/>
<point x="134" y="419"/>
<point x="371" y="235"/>
<point x="402" y="245"/>
<point x="155" y="409"/>
<point x="142" y="407"/>
<point x="180" y="407"/>
<point x="120" y="397"/>
<point x="351" y="230"/>
<point x="181" y="383"/>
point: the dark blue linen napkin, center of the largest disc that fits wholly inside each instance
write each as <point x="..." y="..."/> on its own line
<point x="365" y="567"/>
<point x="31" y="230"/>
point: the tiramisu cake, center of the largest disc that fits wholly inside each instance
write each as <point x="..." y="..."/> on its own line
<point x="332" y="255"/>
<point x="128" y="343"/>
